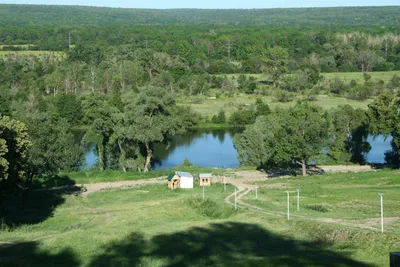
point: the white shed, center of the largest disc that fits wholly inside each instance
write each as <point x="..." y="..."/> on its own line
<point x="186" y="179"/>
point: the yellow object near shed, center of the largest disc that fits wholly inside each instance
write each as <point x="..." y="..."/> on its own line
<point x="205" y="179"/>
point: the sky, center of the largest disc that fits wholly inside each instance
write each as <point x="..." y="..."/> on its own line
<point x="162" y="4"/>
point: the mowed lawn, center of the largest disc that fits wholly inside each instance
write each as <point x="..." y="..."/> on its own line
<point x="154" y="226"/>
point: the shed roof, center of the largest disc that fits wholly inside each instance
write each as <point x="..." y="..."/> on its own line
<point x="205" y="175"/>
<point x="184" y="174"/>
<point x="170" y="176"/>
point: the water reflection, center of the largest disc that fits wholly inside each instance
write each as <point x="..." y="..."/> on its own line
<point x="214" y="148"/>
<point x="205" y="148"/>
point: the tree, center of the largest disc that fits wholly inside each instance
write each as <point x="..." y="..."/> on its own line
<point x="349" y="135"/>
<point x="262" y="109"/>
<point x="276" y="59"/>
<point x="100" y="117"/>
<point x="384" y="119"/>
<point x="14" y="145"/>
<point x="150" y="119"/>
<point x="285" y="136"/>
<point x="69" y="107"/>
<point x="5" y="101"/>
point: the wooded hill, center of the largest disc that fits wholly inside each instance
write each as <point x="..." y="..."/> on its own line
<point x="11" y="14"/>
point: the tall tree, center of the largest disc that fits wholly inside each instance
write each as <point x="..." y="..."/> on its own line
<point x="285" y="136"/>
<point x="151" y="119"/>
<point x="276" y="59"/>
<point x="14" y="144"/>
<point x="384" y="115"/>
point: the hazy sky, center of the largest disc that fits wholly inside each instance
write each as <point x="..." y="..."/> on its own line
<point x="210" y="3"/>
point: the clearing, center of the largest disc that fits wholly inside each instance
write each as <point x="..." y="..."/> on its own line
<point x="149" y="225"/>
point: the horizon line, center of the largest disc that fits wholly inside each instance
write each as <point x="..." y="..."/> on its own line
<point x="198" y="8"/>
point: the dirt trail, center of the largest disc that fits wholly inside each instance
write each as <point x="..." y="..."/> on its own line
<point x="241" y="179"/>
<point x="90" y="188"/>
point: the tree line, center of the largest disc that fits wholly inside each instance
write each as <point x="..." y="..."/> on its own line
<point x="100" y="16"/>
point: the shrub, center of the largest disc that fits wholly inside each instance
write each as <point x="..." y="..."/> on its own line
<point x="283" y="97"/>
<point x="209" y="208"/>
<point x="318" y="207"/>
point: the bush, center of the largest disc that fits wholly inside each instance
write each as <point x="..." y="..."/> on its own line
<point x="242" y="117"/>
<point x="283" y="97"/>
<point x="318" y="207"/>
<point x="220" y="118"/>
<point x="209" y="208"/>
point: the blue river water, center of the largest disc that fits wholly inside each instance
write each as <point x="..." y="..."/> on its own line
<point x="214" y="148"/>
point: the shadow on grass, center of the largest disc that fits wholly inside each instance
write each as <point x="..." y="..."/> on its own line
<point x="29" y="254"/>
<point x="228" y="244"/>
<point x="41" y="203"/>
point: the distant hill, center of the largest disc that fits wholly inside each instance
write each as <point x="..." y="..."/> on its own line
<point x="98" y="16"/>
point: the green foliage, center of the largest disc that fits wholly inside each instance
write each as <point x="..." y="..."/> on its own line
<point x="54" y="148"/>
<point x="100" y="16"/>
<point x="242" y="117"/>
<point x="349" y="135"/>
<point x="210" y="208"/>
<point x="5" y="101"/>
<point x="187" y="163"/>
<point x="14" y="145"/>
<point x="318" y="207"/>
<point x="69" y="107"/>
<point x="384" y="119"/>
<point x="296" y="134"/>
<point x="220" y="118"/>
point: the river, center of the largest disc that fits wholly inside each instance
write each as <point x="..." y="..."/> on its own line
<point x="214" y="148"/>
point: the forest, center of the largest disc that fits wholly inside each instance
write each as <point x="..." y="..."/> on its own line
<point x="103" y="16"/>
<point x="127" y="84"/>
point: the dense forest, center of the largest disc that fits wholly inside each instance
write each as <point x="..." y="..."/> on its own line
<point x="102" y="16"/>
<point x="121" y="83"/>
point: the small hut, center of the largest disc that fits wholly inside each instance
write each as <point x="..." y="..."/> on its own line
<point x="205" y="179"/>
<point x="180" y="180"/>
<point x="173" y="181"/>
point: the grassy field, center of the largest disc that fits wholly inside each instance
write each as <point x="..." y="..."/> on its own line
<point x="210" y="107"/>
<point x="347" y="76"/>
<point x="154" y="226"/>
<point x="359" y="76"/>
<point x="59" y="55"/>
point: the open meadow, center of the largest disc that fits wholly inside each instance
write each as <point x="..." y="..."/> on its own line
<point x="210" y="107"/>
<point x="337" y="225"/>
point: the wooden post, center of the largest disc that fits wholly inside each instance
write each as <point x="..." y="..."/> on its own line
<point x="203" y="191"/>
<point x="395" y="259"/>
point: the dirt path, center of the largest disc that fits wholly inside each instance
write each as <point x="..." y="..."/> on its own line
<point x="90" y="188"/>
<point x="241" y="179"/>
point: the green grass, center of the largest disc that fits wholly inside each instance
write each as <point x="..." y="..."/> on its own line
<point x="210" y="107"/>
<point x="347" y="196"/>
<point x="93" y="176"/>
<point x="347" y="76"/>
<point x="154" y="226"/>
<point x="59" y="55"/>
<point x="359" y="76"/>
